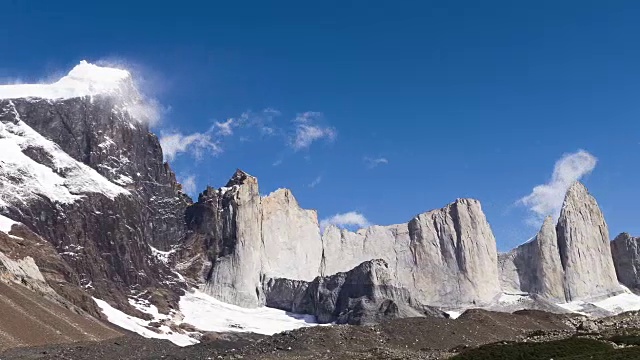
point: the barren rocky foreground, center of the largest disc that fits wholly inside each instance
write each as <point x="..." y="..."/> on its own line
<point x="410" y="338"/>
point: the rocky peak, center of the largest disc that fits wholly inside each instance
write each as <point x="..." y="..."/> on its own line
<point x="583" y="243"/>
<point x="240" y="178"/>
<point x="625" y="250"/>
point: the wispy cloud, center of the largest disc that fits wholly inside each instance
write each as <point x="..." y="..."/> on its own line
<point x="315" y="182"/>
<point x="350" y="219"/>
<point x="225" y="128"/>
<point x="374" y="162"/>
<point x="277" y="162"/>
<point x="196" y="144"/>
<point x="307" y="130"/>
<point x="546" y="199"/>
<point x="189" y="185"/>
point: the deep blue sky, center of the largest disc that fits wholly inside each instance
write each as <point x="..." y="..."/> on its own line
<point x="463" y="98"/>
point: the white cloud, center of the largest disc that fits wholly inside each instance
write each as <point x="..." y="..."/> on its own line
<point x="546" y="199"/>
<point x="277" y="162"/>
<point x="225" y="128"/>
<point x="189" y="185"/>
<point x="196" y="144"/>
<point x="349" y="219"/>
<point x="315" y="182"/>
<point x="373" y="162"/>
<point x="307" y="131"/>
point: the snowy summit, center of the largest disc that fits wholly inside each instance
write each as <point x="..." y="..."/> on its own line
<point x="85" y="79"/>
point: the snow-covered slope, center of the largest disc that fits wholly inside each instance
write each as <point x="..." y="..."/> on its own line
<point x="205" y="313"/>
<point x="6" y="224"/>
<point x="626" y="301"/>
<point x="83" y="80"/>
<point x="208" y="314"/>
<point x="54" y="174"/>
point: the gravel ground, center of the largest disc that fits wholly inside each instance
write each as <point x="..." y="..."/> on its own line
<point x="412" y="338"/>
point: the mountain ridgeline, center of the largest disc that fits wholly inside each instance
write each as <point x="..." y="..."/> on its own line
<point x="84" y="178"/>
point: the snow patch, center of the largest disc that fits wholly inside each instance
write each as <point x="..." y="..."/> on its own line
<point x="209" y="314"/>
<point x="59" y="177"/>
<point x="454" y="314"/>
<point x="141" y="326"/>
<point x="84" y="79"/>
<point x="626" y="301"/>
<point x="163" y="256"/>
<point x="512" y="299"/>
<point x="6" y="224"/>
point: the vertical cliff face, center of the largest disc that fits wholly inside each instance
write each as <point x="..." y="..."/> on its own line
<point x="290" y="238"/>
<point x="452" y="247"/>
<point x="235" y="273"/>
<point x="548" y="268"/>
<point x="625" y="250"/>
<point x="535" y="267"/>
<point x="248" y="238"/>
<point x="571" y="261"/>
<point x="583" y="242"/>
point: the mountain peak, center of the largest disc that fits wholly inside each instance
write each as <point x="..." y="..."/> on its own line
<point x="239" y="178"/>
<point x="85" y="79"/>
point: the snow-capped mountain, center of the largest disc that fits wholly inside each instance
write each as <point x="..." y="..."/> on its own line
<point x="91" y="217"/>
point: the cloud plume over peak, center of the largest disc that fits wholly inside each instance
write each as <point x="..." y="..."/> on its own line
<point x="546" y="199"/>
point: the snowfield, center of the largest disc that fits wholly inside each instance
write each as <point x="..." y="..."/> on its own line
<point x="626" y="301"/>
<point x="207" y="314"/>
<point x="141" y="326"/>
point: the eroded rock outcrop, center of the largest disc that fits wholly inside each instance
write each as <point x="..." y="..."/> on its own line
<point x="366" y="294"/>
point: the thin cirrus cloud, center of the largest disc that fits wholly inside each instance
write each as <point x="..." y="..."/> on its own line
<point x="375" y="162"/>
<point x="546" y="199"/>
<point x="351" y="219"/>
<point x="315" y="182"/>
<point x="308" y="130"/>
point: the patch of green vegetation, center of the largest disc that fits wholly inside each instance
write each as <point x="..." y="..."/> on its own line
<point x="573" y="348"/>
<point x="626" y="339"/>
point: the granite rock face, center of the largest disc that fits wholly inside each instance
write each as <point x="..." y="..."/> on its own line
<point x="571" y="261"/>
<point x="625" y="250"/>
<point x="452" y="247"/>
<point x="366" y="294"/>
<point x="247" y="238"/>
<point x="585" y="252"/>
<point x="535" y="267"/>
<point x="291" y="238"/>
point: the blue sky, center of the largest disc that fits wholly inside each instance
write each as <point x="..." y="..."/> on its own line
<point x="460" y="99"/>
